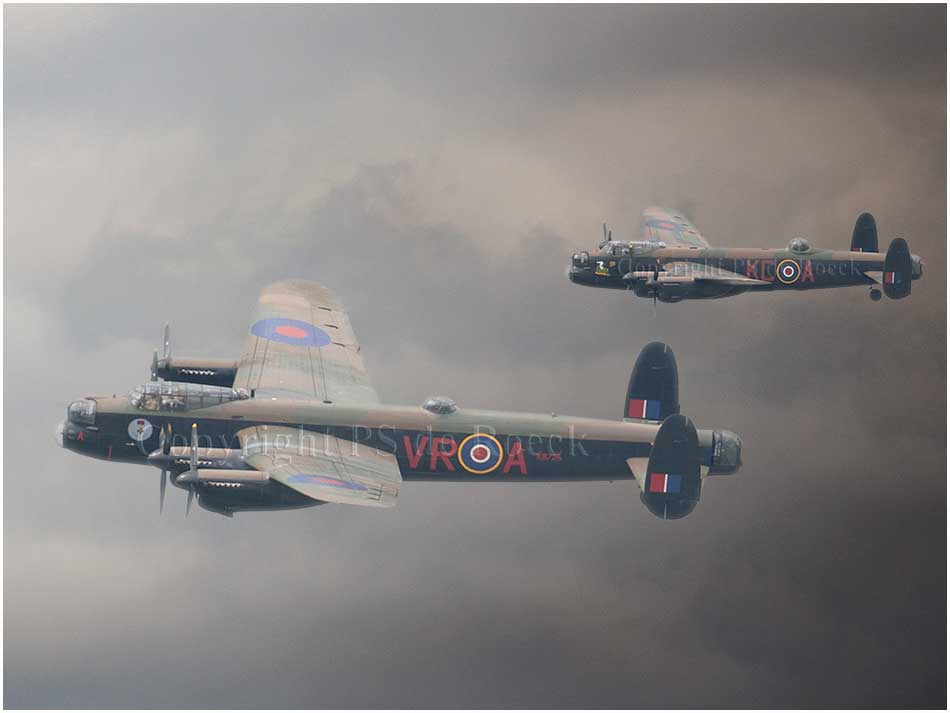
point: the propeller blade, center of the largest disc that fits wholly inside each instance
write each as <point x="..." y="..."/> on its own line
<point x="155" y="365"/>
<point x="165" y="448"/>
<point x="191" y="496"/>
<point x="604" y="226"/>
<point x="194" y="446"/>
<point x="656" y="287"/>
<point x="167" y="342"/>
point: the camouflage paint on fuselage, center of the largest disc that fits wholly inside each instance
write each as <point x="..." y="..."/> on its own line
<point x="427" y="446"/>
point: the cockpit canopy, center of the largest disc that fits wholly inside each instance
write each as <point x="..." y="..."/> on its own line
<point x="799" y="245"/>
<point x="631" y="247"/>
<point x="441" y="405"/>
<point x="181" y="396"/>
<point x="82" y="412"/>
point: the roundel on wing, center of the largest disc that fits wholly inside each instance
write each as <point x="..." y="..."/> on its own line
<point x="480" y="453"/>
<point x="788" y="271"/>
<point x="663" y="224"/>
<point x="290" y="331"/>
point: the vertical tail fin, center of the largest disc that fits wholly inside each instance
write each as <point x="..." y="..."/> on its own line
<point x="898" y="270"/>
<point x="673" y="484"/>
<point x="653" y="389"/>
<point x="864" y="237"/>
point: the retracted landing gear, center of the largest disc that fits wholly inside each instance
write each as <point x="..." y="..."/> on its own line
<point x="875" y="294"/>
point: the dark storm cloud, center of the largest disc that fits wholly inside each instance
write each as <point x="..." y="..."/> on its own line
<point x="436" y="167"/>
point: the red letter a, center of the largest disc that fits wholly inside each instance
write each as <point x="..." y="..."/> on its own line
<point x="515" y="458"/>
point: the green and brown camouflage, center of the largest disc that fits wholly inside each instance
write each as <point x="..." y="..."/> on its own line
<point x="674" y="262"/>
<point x="300" y="424"/>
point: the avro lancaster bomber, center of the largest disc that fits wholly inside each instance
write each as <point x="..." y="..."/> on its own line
<point x="673" y="262"/>
<point x="295" y="422"/>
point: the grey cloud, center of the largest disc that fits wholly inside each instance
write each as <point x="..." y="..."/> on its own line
<point x="436" y="167"/>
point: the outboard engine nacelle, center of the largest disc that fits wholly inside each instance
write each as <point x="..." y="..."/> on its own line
<point x="211" y="372"/>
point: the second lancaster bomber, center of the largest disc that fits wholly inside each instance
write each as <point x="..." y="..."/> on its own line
<point x="673" y="262"/>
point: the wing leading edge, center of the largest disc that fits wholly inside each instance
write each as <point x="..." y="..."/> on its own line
<point x="301" y="345"/>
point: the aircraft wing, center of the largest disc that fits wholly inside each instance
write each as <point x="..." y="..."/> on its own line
<point x="301" y="345"/>
<point x="323" y="467"/>
<point x="686" y="272"/>
<point x="673" y="228"/>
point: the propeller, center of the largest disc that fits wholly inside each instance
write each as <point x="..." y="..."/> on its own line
<point x="188" y="479"/>
<point x="608" y="234"/>
<point x="164" y="445"/>
<point x="653" y="285"/>
<point x="166" y="353"/>
<point x="192" y="475"/>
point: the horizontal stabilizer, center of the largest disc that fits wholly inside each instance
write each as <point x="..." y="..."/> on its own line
<point x="672" y="484"/>
<point x="653" y="389"/>
<point x="864" y="237"/>
<point x="898" y="270"/>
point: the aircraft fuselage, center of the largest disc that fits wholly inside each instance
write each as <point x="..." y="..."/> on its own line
<point x="775" y="269"/>
<point x="427" y="446"/>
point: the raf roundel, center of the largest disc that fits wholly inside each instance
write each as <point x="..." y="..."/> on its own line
<point x="480" y="453"/>
<point x="788" y="272"/>
<point x="663" y="224"/>
<point x="290" y="331"/>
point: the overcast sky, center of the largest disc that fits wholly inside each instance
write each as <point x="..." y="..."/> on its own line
<point x="436" y="167"/>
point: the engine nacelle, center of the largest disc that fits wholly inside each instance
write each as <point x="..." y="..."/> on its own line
<point x="224" y="500"/>
<point x="671" y="293"/>
<point x="212" y="372"/>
